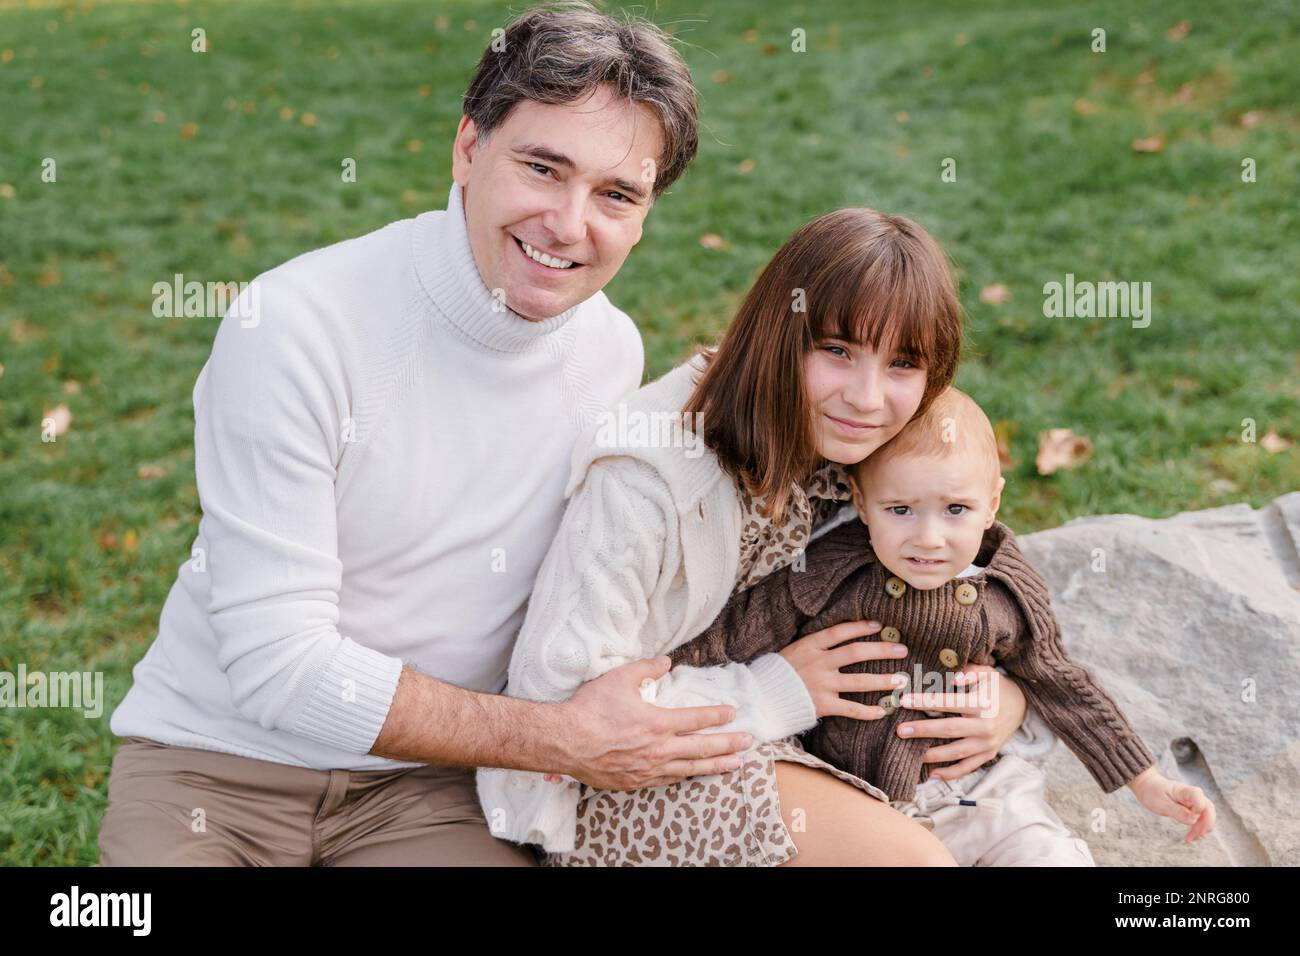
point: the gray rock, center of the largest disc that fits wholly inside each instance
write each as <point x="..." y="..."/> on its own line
<point x="1192" y="623"/>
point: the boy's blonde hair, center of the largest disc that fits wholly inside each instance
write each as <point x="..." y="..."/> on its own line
<point x="954" y="424"/>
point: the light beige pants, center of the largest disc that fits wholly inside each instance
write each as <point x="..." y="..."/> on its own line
<point x="179" y="806"/>
<point x="997" y="816"/>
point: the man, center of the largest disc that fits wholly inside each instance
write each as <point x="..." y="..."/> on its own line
<point x="381" y="458"/>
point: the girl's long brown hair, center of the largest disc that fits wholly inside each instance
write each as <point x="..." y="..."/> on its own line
<point x="860" y="276"/>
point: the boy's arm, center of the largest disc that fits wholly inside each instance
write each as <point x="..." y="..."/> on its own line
<point x="1065" y="693"/>
<point x="755" y="621"/>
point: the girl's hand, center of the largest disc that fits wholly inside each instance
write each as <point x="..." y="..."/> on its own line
<point x="1175" y="800"/>
<point x="992" y="707"/>
<point x="818" y="659"/>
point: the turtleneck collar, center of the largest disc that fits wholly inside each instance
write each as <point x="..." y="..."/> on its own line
<point x="444" y="262"/>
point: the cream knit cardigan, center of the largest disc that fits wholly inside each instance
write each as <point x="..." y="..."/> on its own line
<point x="645" y="558"/>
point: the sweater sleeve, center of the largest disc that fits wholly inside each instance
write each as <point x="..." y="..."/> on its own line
<point x="589" y="613"/>
<point x="757" y="620"/>
<point x="268" y="408"/>
<point x="1071" y="701"/>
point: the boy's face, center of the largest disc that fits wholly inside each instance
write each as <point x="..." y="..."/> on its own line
<point x="571" y="181"/>
<point x="927" y="516"/>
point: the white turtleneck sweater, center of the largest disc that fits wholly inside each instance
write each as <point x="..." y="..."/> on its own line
<point x="381" y="462"/>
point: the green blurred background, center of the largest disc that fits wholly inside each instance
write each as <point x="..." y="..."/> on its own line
<point x="1122" y="165"/>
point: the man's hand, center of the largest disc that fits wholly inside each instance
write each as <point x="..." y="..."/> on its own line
<point x="616" y="741"/>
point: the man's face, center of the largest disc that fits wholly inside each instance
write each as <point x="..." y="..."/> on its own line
<point x="927" y="515"/>
<point x="860" y="398"/>
<point x="571" y="183"/>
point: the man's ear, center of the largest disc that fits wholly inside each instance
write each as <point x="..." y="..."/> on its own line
<point x="463" y="148"/>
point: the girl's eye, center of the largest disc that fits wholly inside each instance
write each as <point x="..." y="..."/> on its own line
<point x="963" y="511"/>
<point x="905" y="362"/>
<point x="838" y="348"/>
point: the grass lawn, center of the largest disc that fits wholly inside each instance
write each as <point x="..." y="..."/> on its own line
<point x="223" y="164"/>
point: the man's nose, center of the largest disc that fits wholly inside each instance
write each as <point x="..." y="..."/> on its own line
<point x="567" y="219"/>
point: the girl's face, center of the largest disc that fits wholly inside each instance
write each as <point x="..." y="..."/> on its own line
<point x="860" y="398"/>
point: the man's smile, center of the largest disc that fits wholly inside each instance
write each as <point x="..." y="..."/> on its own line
<point x="548" y="261"/>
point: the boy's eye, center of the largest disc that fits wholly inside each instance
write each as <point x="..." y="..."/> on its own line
<point x="899" y="510"/>
<point x="963" y="511"/>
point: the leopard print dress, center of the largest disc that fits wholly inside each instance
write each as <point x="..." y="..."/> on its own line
<point x="728" y="819"/>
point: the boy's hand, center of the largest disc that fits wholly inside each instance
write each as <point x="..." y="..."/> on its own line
<point x="1175" y="800"/>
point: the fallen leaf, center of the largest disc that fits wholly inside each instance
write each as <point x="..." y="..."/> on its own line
<point x="1086" y="107"/>
<point x="6" y="191"/>
<point x="130" y="541"/>
<point x="768" y="49"/>
<point x="1061" y="448"/>
<point x="1251" y="119"/>
<point x="1179" y="30"/>
<point x="1185" y="93"/>
<point x="108" y="541"/>
<point x="750" y="36"/>
<point x="149" y="472"/>
<point x="286" y="113"/>
<point x="745" y="166"/>
<point x="995" y="294"/>
<point x="961" y="39"/>
<point x="1151" y="144"/>
<point x="72" y="387"/>
<point x="721" y="76"/>
<point x="189" y="130"/>
<point x="711" y="240"/>
<point x="307" y="119"/>
<point x="901" y="116"/>
<point x="1273" y="443"/>
<point x="60" y="416"/>
<point x="1004" y="430"/>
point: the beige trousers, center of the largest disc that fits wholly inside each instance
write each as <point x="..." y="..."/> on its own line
<point x="997" y="816"/>
<point x="177" y="806"/>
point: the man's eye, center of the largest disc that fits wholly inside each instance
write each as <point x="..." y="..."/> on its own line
<point x="538" y="167"/>
<point x="619" y="195"/>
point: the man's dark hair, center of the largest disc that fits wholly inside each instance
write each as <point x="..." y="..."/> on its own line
<point x="557" y="53"/>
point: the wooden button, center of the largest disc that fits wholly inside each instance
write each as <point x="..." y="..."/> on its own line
<point x="966" y="594"/>
<point x="889" y="703"/>
<point x="895" y="587"/>
<point x="948" y="657"/>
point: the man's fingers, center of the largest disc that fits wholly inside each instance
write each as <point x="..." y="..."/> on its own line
<point x="637" y="671"/>
<point x="703" y="746"/>
<point x="685" y="720"/>
<point x="677" y="770"/>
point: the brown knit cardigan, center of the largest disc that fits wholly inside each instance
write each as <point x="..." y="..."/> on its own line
<point x="1001" y="615"/>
